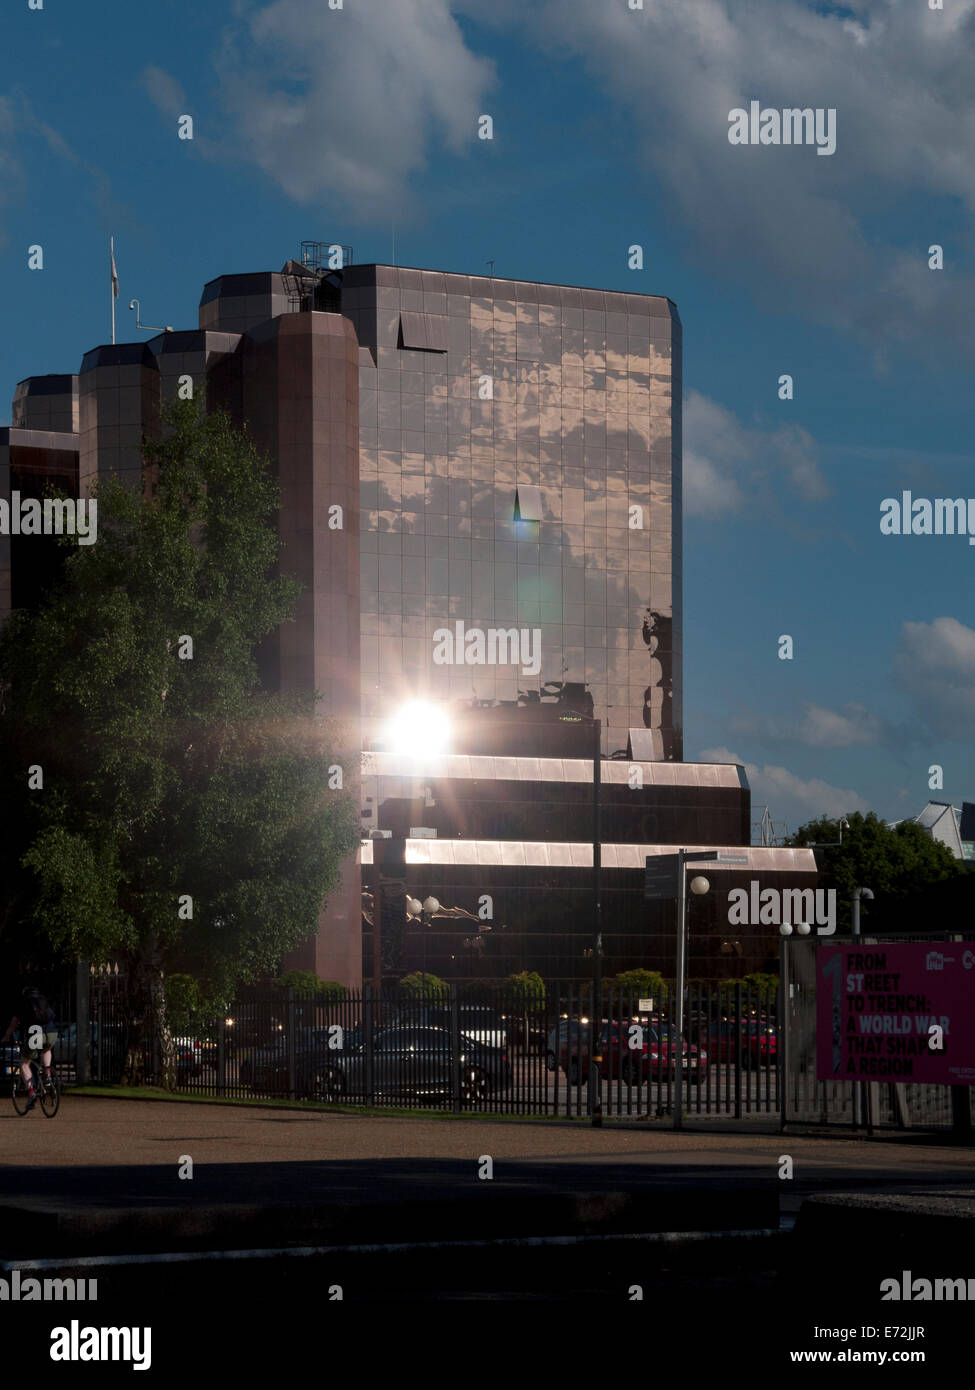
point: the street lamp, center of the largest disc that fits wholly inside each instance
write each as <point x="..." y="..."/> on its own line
<point x="785" y="1014"/>
<point x="428" y="908"/>
<point x="855" y="897"/>
<point x="698" y="885"/>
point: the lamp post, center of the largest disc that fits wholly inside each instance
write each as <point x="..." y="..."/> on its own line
<point x="595" y="1085"/>
<point x="699" y="885"/>
<point x="595" y="1082"/>
<point x="785" y="1013"/>
<point x="429" y="907"/>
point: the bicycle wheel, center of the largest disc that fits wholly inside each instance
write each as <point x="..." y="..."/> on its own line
<point x="50" y="1097"/>
<point x="20" y="1094"/>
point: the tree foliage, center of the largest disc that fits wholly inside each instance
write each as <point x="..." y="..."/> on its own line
<point x="525" y="990"/>
<point x="649" y="984"/>
<point x="307" y="984"/>
<point x="185" y="822"/>
<point x="421" y="986"/>
<point x="894" y="862"/>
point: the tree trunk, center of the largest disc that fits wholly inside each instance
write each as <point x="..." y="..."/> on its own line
<point x="150" y="1040"/>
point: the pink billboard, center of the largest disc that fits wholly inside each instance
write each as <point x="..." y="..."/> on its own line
<point x="896" y="1013"/>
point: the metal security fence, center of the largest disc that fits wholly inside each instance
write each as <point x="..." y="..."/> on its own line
<point x="746" y="1051"/>
<point x="469" y="1048"/>
<point x="864" y="1105"/>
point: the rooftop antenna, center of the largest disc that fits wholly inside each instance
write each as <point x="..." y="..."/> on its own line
<point x="111" y="253"/>
<point x="766" y="830"/>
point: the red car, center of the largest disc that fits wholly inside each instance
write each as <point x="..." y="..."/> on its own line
<point x="630" y="1052"/>
<point x="754" y="1039"/>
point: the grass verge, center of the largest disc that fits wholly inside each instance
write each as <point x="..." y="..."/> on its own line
<point x="273" y="1103"/>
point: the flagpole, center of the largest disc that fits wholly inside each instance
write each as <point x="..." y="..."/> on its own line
<point x="112" y="290"/>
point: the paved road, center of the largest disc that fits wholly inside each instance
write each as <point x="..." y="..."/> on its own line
<point x="91" y="1131"/>
<point x="101" y="1180"/>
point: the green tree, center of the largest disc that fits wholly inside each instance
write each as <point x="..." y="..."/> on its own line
<point x="185" y="822"/>
<point x="763" y="982"/>
<point x="526" y="990"/>
<point x="646" y="984"/>
<point x="420" y="986"/>
<point x="894" y="862"/>
<point x="306" y="982"/>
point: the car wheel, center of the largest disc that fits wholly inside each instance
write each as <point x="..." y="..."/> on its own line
<point x="476" y="1086"/>
<point x="630" y="1071"/>
<point x="550" y="1062"/>
<point x="328" y="1085"/>
<point x="573" y="1072"/>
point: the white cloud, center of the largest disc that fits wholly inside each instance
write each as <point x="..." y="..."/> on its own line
<point x="819" y="727"/>
<point x="11" y="172"/>
<point x="725" y="462"/>
<point x="798" y="229"/>
<point x="791" y="800"/>
<point x="164" y="91"/>
<point x="828" y="728"/>
<point x="344" y="105"/>
<point x="936" y="665"/>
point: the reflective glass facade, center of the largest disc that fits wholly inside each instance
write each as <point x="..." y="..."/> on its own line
<point x="527" y="401"/>
<point x="480" y="492"/>
<point x="541" y="914"/>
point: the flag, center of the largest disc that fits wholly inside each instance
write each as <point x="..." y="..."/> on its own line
<point x="114" y="271"/>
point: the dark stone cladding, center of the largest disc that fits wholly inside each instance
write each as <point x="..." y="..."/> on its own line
<point x="30" y="459"/>
<point x="238" y="303"/>
<point x="543" y="921"/>
<point x="298" y="382"/>
<point x="517" y="811"/>
<point x="46" y="403"/>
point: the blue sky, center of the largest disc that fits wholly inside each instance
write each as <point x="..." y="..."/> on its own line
<point x="610" y="129"/>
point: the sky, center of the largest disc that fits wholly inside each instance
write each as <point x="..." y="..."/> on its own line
<point x="359" y="124"/>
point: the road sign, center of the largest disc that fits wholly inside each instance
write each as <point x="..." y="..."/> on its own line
<point x="660" y="880"/>
<point x="646" y="1006"/>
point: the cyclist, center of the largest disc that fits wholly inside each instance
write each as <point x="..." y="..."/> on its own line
<point x="34" y="1012"/>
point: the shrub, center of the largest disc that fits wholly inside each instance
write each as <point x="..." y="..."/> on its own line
<point x="420" y="986"/>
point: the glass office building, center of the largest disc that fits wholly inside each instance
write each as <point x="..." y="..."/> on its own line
<point x="481" y="494"/>
<point x="519" y="450"/>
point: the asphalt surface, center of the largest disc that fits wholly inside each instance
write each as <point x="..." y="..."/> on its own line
<point x="697" y="1226"/>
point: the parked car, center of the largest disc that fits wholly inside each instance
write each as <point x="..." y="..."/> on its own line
<point x="191" y="1054"/>
<point x="754" y="1039"/>
<point x="266" y="1068"/>
<point x="558" y="1041"/>
<point x="413" y="1061"/>
<point x="249" y="1026"/>
<point x="481" y="1024"/>
<point x="528" y="1033"/>
<point x="628" y="1055"/>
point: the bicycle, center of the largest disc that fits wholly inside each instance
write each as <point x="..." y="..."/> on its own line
<point x="45" y="1087"/>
